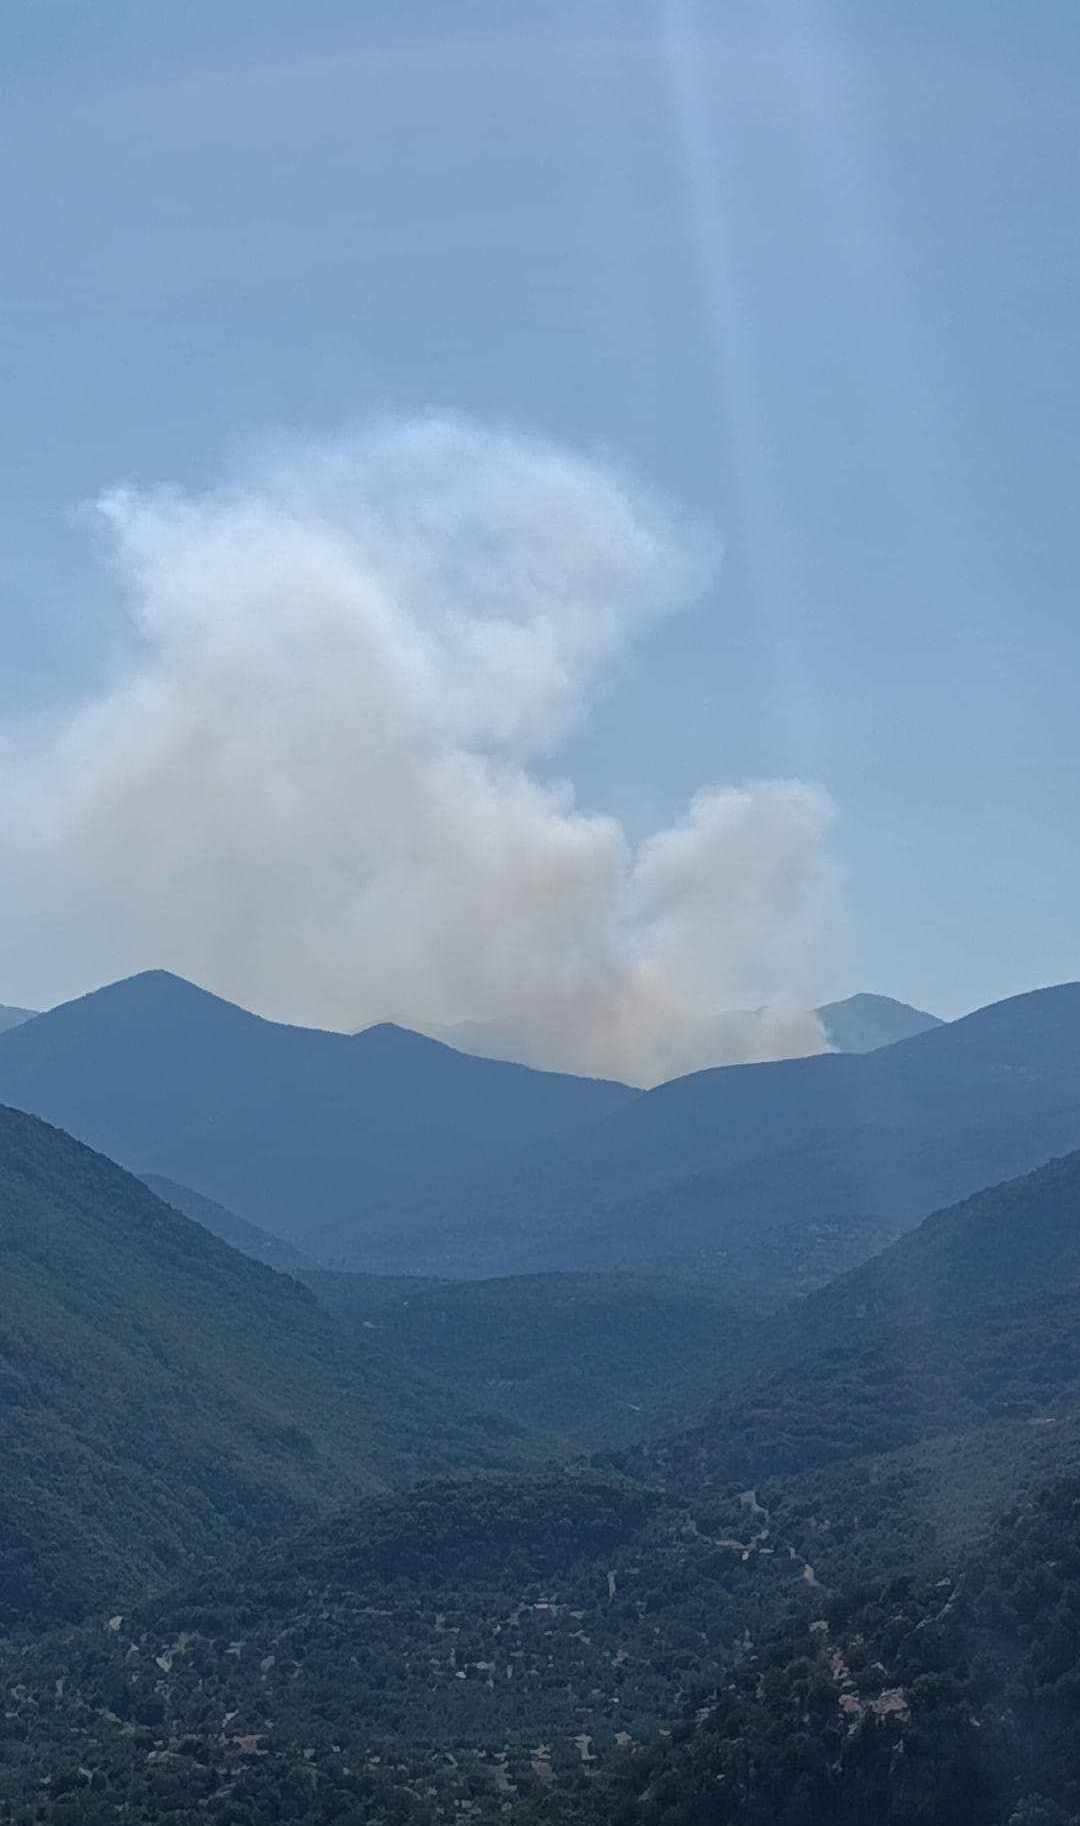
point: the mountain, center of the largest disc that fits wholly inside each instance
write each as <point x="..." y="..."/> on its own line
<point x="972" y="1318"/>
<point x="286" y="1126"/>
<point x="234" y="1230"/>
<point x="14" y="1017"/>
<point x="595" y="1357"/>
<point x="589" y="1359"/>
<point x="886" y="1634"/>
<point x="689" y="1171"/>
<point x="858" y="1024"/>
<point x="862" y="1023"/>
<point x="389" y="1152"/>
<point x="161" y="1394"/>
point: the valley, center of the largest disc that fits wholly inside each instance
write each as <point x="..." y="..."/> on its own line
<point x="282" y="1542"/>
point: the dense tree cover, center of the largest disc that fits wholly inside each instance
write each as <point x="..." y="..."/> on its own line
<point x="851" y="1592"/>
<point x="590" y="1359"/>
<point x="161" y="1394"/>
<point x="970" y="1318"/>
<point x="464" y="1649"/>
<point x="238" y="1232"/>
<point x="907" y="1703"/>
<point x="431" y="1634"/>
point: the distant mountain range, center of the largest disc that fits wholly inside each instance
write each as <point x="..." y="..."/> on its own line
<point x="858" y="1024"/>
<point x="392" y="1152"/>
<point x="692" y="1170"/>
<point x="290" y="1128"/>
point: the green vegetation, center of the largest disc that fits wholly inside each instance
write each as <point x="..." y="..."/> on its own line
<point x="970" y="1318"/>
<point x="527" y="1642"/>
<point x="907" y="1703"/>
<point x="245" y="1578"/>
<point x="388" y="1152"/>
<point x="296" y="1130"/>
<point x="589" y="1359"/>
<point x="161" y="1395"/>
<point x="234" y="1230"/>
<point x="698" y="1170"/>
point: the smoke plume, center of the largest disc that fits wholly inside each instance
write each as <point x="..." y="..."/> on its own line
<point x="324" y="786"/>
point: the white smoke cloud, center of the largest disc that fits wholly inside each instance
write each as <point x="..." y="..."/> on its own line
<point x="320" y="790"/>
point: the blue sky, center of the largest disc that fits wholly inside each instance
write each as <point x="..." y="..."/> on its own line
<point x="810" y="270"/>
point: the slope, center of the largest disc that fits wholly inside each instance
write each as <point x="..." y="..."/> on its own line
<point x="915" y="1701"/>
<point x="690" y="1168"/>
<point x="234" y="1230"/>
<point x="862" y="1023"/>
<point x="281" y="1124"/>
<point x="972" y="1317"/>
<point x="598" y="1360"/>
<point x="160" y="1393"/>
<point x="14" y="1017"/>
<point x="478" y="1646"/>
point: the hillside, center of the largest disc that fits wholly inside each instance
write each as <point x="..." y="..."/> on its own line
<point x="283" y="1125"/>
<point x="161" y="1394"/>
<point x="862" y="1023"/>
<point x="594" y="1360"/>
<point x="14" y="1017"/>
<point x="234" y="1230"/>
<point x="526" y="1640"/>
<point x="912" y="1702"/>
<point x="388" y="1152"/>
<point x="972" y="1317"/>
<point x="691" y="1169"/>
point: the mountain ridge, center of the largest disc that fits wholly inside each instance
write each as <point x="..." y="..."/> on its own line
<point x="267" y="1119"/>
<point x="161" y="1394"/>
<point x="888" y="1135"/>
<point x="14" y="1017"/>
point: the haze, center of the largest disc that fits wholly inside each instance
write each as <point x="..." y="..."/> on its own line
<point x="578" y="242"/>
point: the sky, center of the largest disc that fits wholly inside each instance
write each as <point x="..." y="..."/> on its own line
<point x="795" y="282"/>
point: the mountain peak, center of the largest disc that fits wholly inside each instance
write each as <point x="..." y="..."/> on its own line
<point x="152" y="996"/>
<point x="394" y="1033"/>
<point x="863" y="1022"/>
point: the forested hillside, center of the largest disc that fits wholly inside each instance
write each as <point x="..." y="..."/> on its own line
<point x="742" y="1623"/>
<point x="974" y="1316"/>
<point x="693" y="1169"/>
<point x="905" y="1702"/>
<point x="161" y="1395"/>
<point x="388" y="1152"/>
<point x="587" y="1359"/>
<point x="289" y="1127"/>
<point x="237" y="1231"/>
